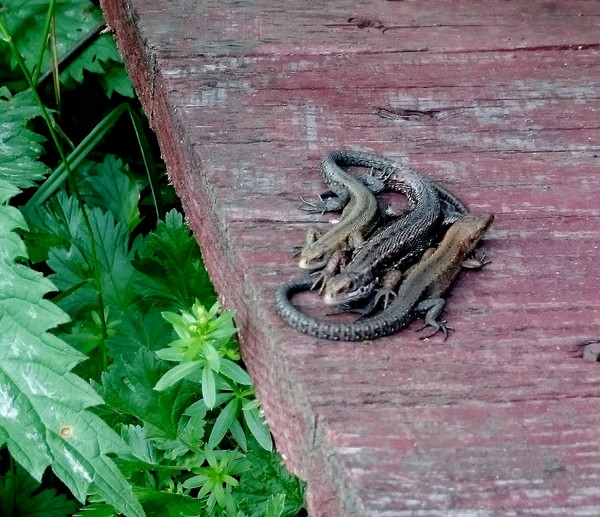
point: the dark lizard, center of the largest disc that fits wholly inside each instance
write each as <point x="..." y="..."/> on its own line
<point x="413" y="231"/>
<point x="401" y="242"/>
<point x="420" y="291"/>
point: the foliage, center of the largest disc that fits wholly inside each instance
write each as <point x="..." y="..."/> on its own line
<point x="21" y="495"/>
<point x="116" y="358"/>
<point x="35" y="370"/>
<point x="72" y="20"/>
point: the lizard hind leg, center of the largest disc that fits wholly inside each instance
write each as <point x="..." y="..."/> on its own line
<point x="433" y="308"/>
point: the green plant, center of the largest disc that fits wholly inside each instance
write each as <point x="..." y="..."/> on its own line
<point x="121" y="384"/>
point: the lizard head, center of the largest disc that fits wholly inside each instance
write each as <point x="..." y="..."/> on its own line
<point x="347" y="287"/>
<point x="313" y="257"/>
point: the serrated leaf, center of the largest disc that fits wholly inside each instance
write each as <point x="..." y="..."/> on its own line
<point x="7" y="190"/>
<point x="21" y="495"/>
<point x="105" y="185"/>
<point x="128" y="386"/>
<point x="115" y="79"/>
<point x="168" y="504"/>
<point x="20" y="148"/>
<point x="74" y="267"/>
<point x="53" y="224"/>
<point x="13" y="246"/>
<point x="170" y="266"/>
<point x="141" y="447"/>
<point x="138" y="330"/>
<point x="266" y="478"/>
<point x="38" y="393"/>
<point x="275" y="506"/>
<point x="73" y="20"/>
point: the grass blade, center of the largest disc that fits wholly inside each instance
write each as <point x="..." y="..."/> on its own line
<point x="56" y="179"/>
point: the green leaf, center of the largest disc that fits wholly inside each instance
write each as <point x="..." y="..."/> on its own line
<point x="209" y="391"/>
<point x="97" y="509"/>
<point x="101" y="57"/>
<point x="196" y="481"/>
<point x="73" y="20"/>
<point x="266" y="478"/>
<point x="21" y="495"/>
<point x="212" y="357"/>
<point x="20" y="148"/>
<point x="74" y="267"/>
<point x="115" y="79"/>
<point x="52" y="224"/>
<point x="7" y="190"/>
<point x="223" y="422"/>
<point x="257" y="426"/>
<point x="177" y="373"/>
<point x="235" y="372"/>
<point x="168" y="504"/>
<point x="238" y="434"/>
<point x="128" y="386"/>
<point x="138" y="329"/>
<point x="136" y="437"/>
<point x="275" y="506"/>
<point x="170" y="266"/>
<point x="77" y="156"/>
<point x="39" y="393"/>
<point x="170" y="354"/>
<point x="106" y="185"/>
<point x="10" y="220"/>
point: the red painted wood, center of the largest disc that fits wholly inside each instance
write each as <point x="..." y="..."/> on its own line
<point x="245" y="97"/>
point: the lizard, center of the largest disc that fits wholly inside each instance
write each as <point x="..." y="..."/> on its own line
<point x="359" y="217"/>
<point x="326" y="252"/>
<point x="420" y="292"/>
<point x="401" y="242"/>
<point x="397" y="245"/>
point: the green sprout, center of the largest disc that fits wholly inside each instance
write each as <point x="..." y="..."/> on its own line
<point x="204" y="350"/>
<point x="217" y="479"/>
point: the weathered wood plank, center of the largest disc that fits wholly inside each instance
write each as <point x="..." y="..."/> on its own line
<point x="503" y="101"/>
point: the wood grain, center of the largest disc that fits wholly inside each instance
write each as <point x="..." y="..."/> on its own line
<point x="499" y="102"/>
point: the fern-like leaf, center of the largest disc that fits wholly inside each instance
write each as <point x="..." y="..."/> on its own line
<point x="73" y="19"/>
<point x="171" y="267"/>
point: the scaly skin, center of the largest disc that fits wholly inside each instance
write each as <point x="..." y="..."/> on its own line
<point x="401" y="242"/>
<point x="422" y="289"/>
<point x="359" y="217"/>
